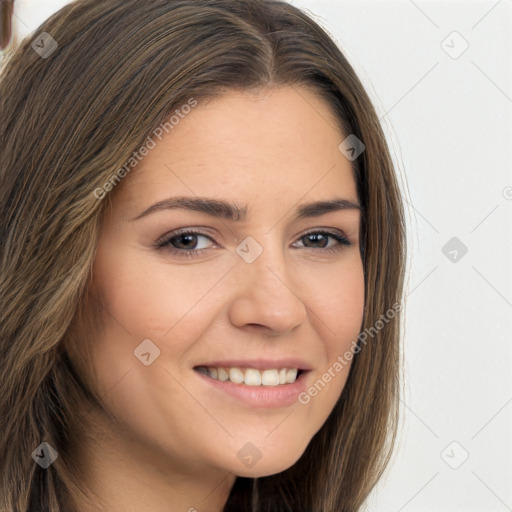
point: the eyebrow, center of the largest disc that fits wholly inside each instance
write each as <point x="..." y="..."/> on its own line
<point x="236" y="212"/>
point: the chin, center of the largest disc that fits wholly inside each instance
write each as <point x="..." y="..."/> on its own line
<point x="262" y="470"/>
<point x="270" y="464"/>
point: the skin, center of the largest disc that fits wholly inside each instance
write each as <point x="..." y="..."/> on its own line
<point x="174" y="442"/>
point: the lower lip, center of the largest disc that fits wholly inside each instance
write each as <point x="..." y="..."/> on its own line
<point x="283" y="395"/>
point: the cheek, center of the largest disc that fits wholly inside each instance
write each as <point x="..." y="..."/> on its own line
<point x="147" y="296"/>
<point x="143" y="299"/>
<point x="338" y="302"/>
<point x="338" y="307"/>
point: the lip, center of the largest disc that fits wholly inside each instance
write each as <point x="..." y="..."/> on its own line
<point x="260" y="364"/>
<point x="266" y="397"/>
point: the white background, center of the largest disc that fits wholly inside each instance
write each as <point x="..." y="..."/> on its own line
<point x="448" y="121"/>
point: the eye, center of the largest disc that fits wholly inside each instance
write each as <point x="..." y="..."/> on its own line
<point x="183" y="243"/>
<point x="186" y="242"/>
<point x="322" y="238"/>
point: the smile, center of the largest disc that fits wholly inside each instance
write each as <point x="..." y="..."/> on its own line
<point x="251" y="376"/>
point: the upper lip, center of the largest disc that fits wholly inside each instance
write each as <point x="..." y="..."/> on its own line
<point x="260" y="364"/>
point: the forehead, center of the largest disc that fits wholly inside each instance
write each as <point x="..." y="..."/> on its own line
<point x="279" y="144"/>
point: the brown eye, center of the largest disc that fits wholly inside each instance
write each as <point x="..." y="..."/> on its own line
<point x="184" y="242"/>
<point x="320" y="240"/>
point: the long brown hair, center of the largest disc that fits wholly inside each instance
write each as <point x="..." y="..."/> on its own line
<point x="70" y="119"/>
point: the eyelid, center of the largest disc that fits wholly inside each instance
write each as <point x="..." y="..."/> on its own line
<point x="334" y="233"/>
<point x="164" y="239"/>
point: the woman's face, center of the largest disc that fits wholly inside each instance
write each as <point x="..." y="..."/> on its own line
<point x="276" y="286"/>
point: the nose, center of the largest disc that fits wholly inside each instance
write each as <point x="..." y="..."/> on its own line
<point x="266" y="298"/>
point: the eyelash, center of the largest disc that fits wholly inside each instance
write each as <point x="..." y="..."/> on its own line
<point x="166" y="240"/>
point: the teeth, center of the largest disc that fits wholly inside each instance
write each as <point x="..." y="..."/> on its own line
<point x="291" y="375"/>
<point x="236" y="375"/>
<point x="252" y="376"/>
<point x="222" y="374"/>
<point x="270" y="378"/>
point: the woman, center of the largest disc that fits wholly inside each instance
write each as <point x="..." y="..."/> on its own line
<point x="202" y="264"/>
